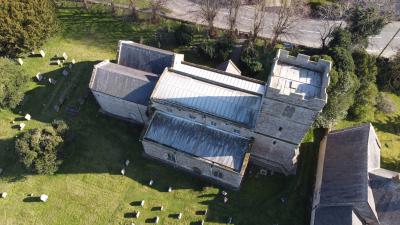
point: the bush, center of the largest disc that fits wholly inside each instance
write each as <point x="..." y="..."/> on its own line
<point x="25" y="25"/>
<point x="184" y="34"/>
<point x="224" y="47"/>
<point x="341" y="38"/>
<point x="250" y="60"/>
<point x="207" y="48"/>
<point x="343" y="60"/>
<point x="12" y="83"/>
<point x="38" y="149"/>
<point x="385" y="104"/>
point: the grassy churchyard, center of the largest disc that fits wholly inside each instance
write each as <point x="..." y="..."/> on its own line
<point x="89" y="189"/>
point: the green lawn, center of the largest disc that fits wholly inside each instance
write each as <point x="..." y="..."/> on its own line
<point x="88" y="188"/>
<point x="388" y="129"/>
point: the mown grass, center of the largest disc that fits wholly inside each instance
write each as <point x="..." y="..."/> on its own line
<point x="388" y="130"/>
<point x="88" y="188"/>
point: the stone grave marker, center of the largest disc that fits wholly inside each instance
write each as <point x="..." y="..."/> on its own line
<point x="4" y="195"/>
<point x="44" y="198"/>
<point x="21" y="126"/>
<point x="20" y="61"/>
<point x="28" y="117"/>
<point x="65" y="56"/>
<point x="42" y="53"/>
<point x="39" y="76"/>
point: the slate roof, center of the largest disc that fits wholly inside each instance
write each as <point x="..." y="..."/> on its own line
<point x="294" y="79"/>
<point x="219" y="77"/>
<point x="143" y="57"/>
<point x="386" y="193"/>
<point x="201" y="95"/>
<point x="198" y="140"/>
<point x="336" y="215"/>
<point x="123" y="82"/>
<point x="345" y="169"/>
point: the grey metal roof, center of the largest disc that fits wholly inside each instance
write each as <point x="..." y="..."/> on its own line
<point x="386" y="193"/>
<point x="345" y="169"/>
<point x="224" y="102"/>
<point x="293" y="79"/>
<point x="123" y="82"/>
<point x="233" y="80"/>
<point x="198" y="140"/>
<point x="143" y="57"/>
<point x="336" y="215"/>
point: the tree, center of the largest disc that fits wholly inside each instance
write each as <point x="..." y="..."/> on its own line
<point x="13" y="81"/>
<point x="394" y="74"/>
<point x="132" y="7"/>
<point x="250" y="59"/>
<point x="233" y="6"/>
<point x="340" y="38"/>
<point x="365" y="20"/>
<point x="38" y="149"/>
<point x="289" y="13"/>
<point x="330" y="14"/>
<point x="184" y="34"/>
<point x="343" y="60"/>
<point x="259" y="18"/>
<point x="25" y="25"/>
<point x="365" y="97"/>
<point x="208" y="10"/>
<point x="86" y="4"/>
<point x="156" y="6"/>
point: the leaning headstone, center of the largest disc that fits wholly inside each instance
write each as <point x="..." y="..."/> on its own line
<point x="170" y="189"/>
<point x="224" y="193"/>
<point x="42" y="53"/>
<point x="65" y="73"/>
<point x="151" y="182"/>
<point x="127" y="162"/>
<point x="44" y="198"/>
<point x="58" y="62"/>
<point x="225" y="199"/>
<point x="179" y="216"/>
<point x="123" y="171"/>
<point x="28" y="117"/>
<point x="229" y="220"/>
<point x="21" y="126"/>
<point x="142" y="203"/>
<point x="4" y="195"/>
<point x="161" y="208"/>
<point x="20" y="61"/>
<point x="39" y="76"/>
<point x="73" y="61"/>
<point x="157" y="219"/>
<point x="1" y="171"/>
<point x="65" y="56"/>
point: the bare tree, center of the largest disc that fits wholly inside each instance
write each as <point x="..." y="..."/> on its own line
<point x="156" y="6"/>
<point x="288" y="14"/>
<point x="208" y="11"/>
<point x="132" y="7"/>
<point x="331" y="16"/>
<point x="113" y="9"/>
<point x="86" y="4"/>
<point x="233" y="6"/>
<point x="260" y="10"/>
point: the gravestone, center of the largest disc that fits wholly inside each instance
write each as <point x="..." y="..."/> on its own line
<point x="225" y="200"/>
<point x="179" y="216"/>
<point x="65" y="73"/>
<point x="170" y="189"/>
<point x="58" y="62"/>
<point x="42" y="53"/>
<point x="32" y="53"/>
<point x="142" y="203"/>
<point x="44" y="198"/>
<point x="161" y="208"/>
<point x="4" y="195"/>
<point x="28" y="117"/>
<point x="202" y="222"/>
<point x="123" y="171"/>
<point x="65" y="56"/>
<point x="137" y="214"/>
<point x="73" y="61"/>
<point x="21" y="126"/>
<point x="151" y="182"/>
<point x="127" y="162"/>
<point x="70" y="66"/>
<point x="52" y="81"/>
<point x="157" y="219"/>
<point x="1" y="171"/>
<point x="229" y="220"/>
<point x="20" y="61"/>
<point x="39" y="77"/>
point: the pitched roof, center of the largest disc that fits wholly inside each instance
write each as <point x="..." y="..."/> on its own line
<point x="220" y="77"/>
<point x="123" y="82"/>
<point x="386" y="193"/>
<point x="143" y="57"/>
<point x="201" y="95"/>
<point x="229" y="67"/>
<point x="198" y="140"/>
<point x="336" y="215"/>
<point x="345" y="168"/>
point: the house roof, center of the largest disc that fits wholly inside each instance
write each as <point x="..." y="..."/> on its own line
<point x="229" y="67"/>
<point x="224" y="78"/>
<point x="294" y="79"/>
<point x="336" y="215"/>
<point x="123" y="82"/>
<point x="143" y="57"/>
<point x="198" y="140"/>
<point x="386" y="191"/>
<point x="345" y="168"/>
<point x="199" y="94"/>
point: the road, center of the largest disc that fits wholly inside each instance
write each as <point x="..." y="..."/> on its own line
<point x="306" y="32"/>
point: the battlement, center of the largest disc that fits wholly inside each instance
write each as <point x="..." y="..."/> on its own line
<point x="299" y="81"/>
